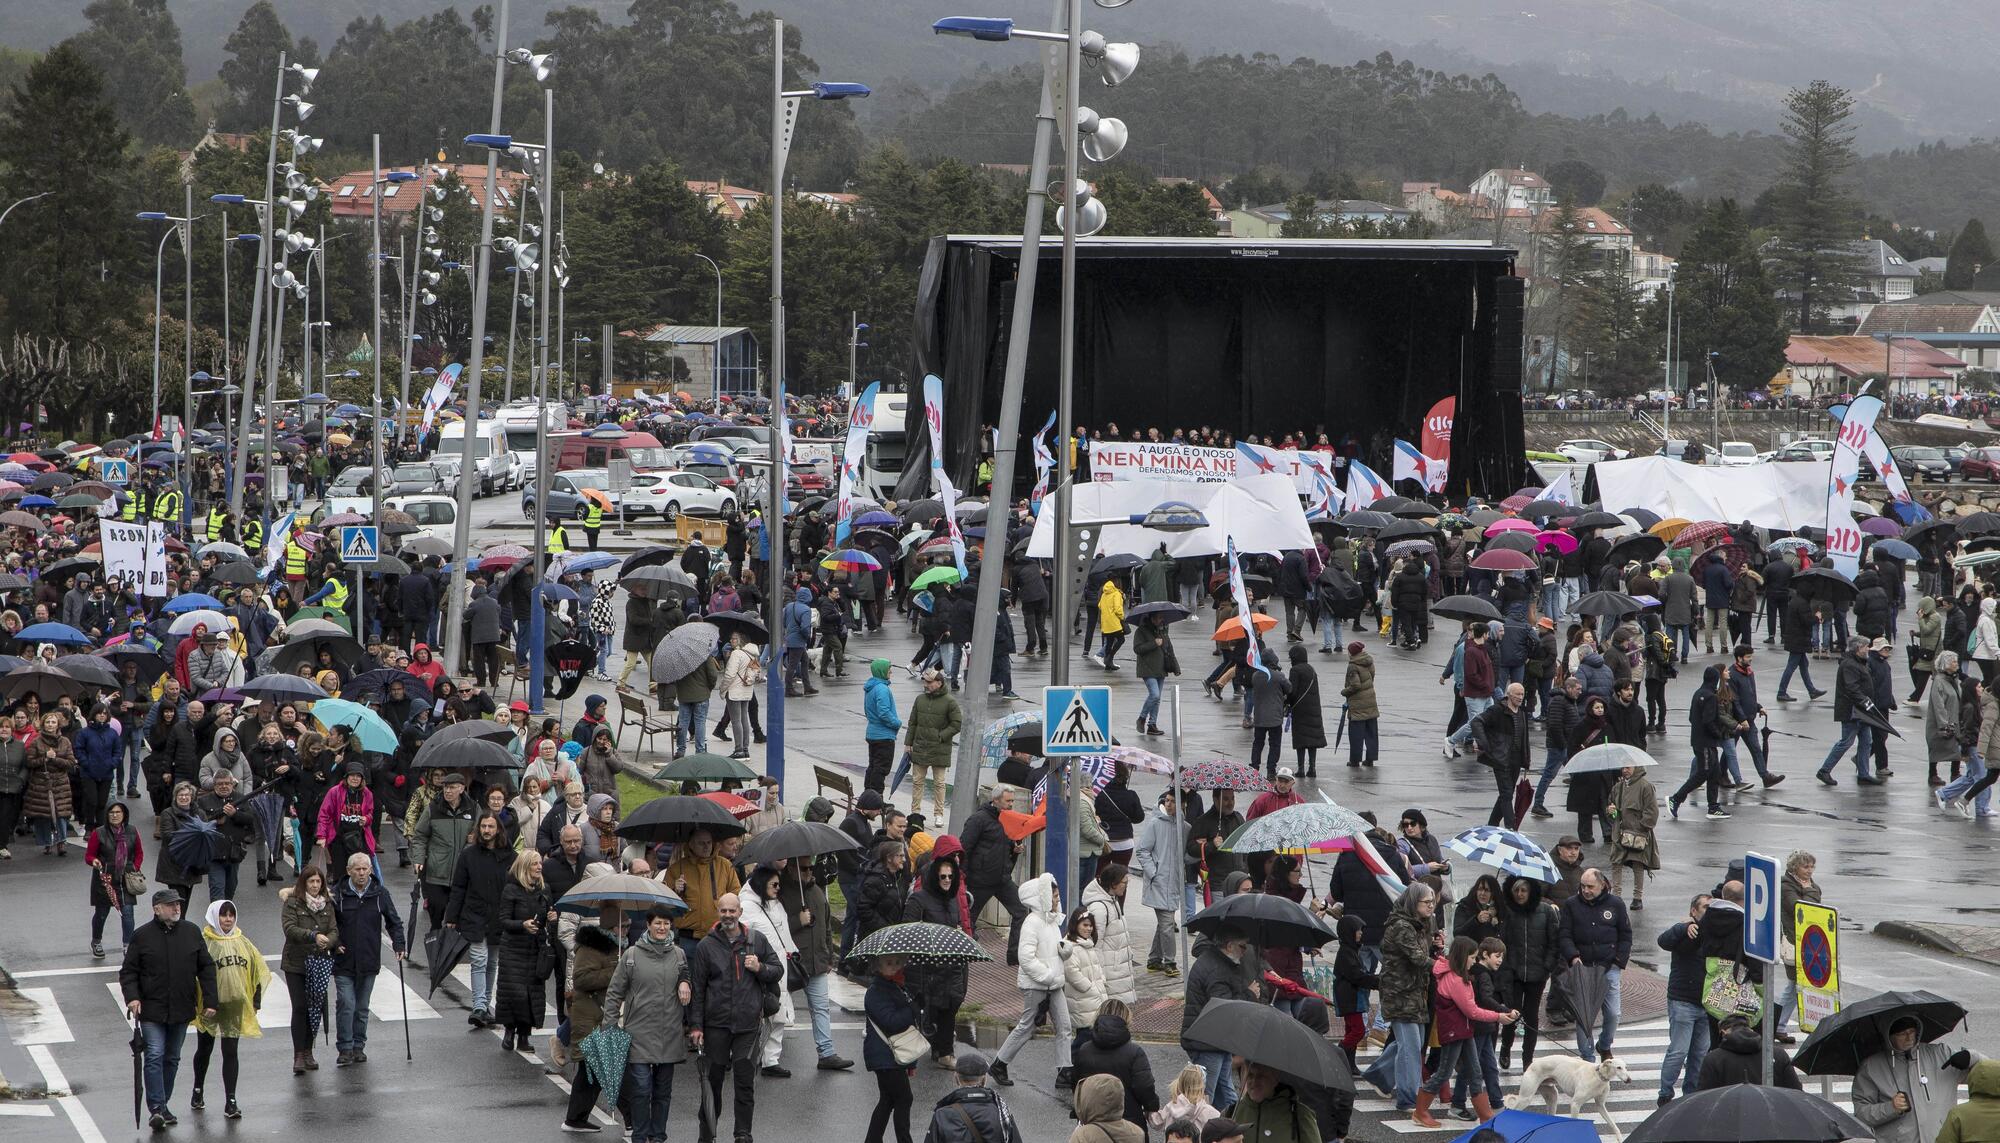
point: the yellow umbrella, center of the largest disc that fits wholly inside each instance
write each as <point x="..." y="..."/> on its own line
<point x="1669" y="528"/>
<point x="339" y="439"/>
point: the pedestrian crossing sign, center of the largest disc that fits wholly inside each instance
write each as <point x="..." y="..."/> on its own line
<point x="359" y="544"/>
<point x="115" y="472"/>
<point x="1076" y="720"/>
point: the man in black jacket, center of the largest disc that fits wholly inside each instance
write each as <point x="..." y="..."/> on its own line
<point x="971" y="1112"/>
<point x="1597" y="931"/>
<point x="859" y="824"/>
<point x="165" y="963"/>
<point x="989" y="865"/>
<point x="1739" y="1058"/>
<point x="1206" y="859"/>
<point x="1853" y="696"/>
<point x="1743" y="686"/>
<point x="225" y="806"/>
<point x="1501" y="731"/>
<point x="362" y="911"/>
<point x="1777" y="593"/>
<point x="1560" y="718"/>
<point x="1217" y="974"/>
<point x="730" y="969"/>
<point x="1687" y="1020"/>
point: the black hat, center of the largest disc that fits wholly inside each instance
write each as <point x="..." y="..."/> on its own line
<point x="168" y="897"/>
<point x="970" y="1065"/>
<point x="869" y="800"/>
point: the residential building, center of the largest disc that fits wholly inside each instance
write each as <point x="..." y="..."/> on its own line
<point x="731" y="202"/>
<point x="1517" y="189"/>
<point x="1881" y="274"/>
<point x="1606" y="242"/>
<point x="352" y="194"/>
<point x="210" y="139"/>
<point x="704" y="361"/>
<point x="1650" y="271"/>
<point x="1266" y="221"/>
<point x="1969" y="331"/>
<point x="1830" y="366"/>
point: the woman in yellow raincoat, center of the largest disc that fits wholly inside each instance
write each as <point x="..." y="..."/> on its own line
<point x="241" y="976"/>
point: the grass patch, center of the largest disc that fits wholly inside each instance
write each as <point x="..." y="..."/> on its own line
<point x="632" y="793"/>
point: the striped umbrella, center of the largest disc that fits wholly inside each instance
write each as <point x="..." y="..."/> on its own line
<point x="852" y="561"/>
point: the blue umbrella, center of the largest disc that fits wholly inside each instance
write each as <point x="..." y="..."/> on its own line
<point x="37" y="502"/>
<point x="877" y="519"/>
<point x="375" y="735"/>
<point x="191" y="601"/>
<point x="1505" y="850"/>
<point x="347" y="410"/>
<point x="589" y="562"/>
<point x="1522" y="1126"/>
<point x="559" y="593"/>
<point x="61" y="634"/>
<point x="993" y="741"/>
<point x="1894" y="549"/>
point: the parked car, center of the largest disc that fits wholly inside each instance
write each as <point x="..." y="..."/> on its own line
<point x="668" y="494"/>
<point x="1793" y="452"/>
<point x="1921" y="462"/>
<point x="1982" y="464"/>
<point x="1586" y="451"/>
<point x="1735" y="453"/>
<point x="419" y="478"/>
<point x="1820" y="447"/>
<point x="566" y="499"/>
<point x="1955" y="455"/>
<point x="436" y="515"/>
<point x="353" y="490"/>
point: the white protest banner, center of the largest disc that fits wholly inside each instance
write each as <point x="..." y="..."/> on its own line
<point x="1169" y="460"/>
<point x="124" y="554"/>
<point x="1843" y="535"/>
<point x="156" y="559"/>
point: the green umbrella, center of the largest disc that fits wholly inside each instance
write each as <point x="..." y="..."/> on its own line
<point x="604" y="1052"/>
<point x="704" y="768"/>
<point x="934" y="577"/>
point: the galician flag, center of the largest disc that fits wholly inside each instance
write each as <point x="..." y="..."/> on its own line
<point x="1364" y="485"/>
<point x="1562" y="490"/>
<point x="1045" y="462"/>
<point x="274" y="545"/>
<point x="1251" y="657"/>
<point x="1412" y="464"/>
<point x="1326" y="499"/>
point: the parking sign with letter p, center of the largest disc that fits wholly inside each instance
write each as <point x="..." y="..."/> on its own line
<point x="1760" y="907"/>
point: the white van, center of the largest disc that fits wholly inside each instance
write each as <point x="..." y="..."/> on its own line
<point x="499" y="469"/>
<point x="436" y="516"/>
<point x="518" y="420"/>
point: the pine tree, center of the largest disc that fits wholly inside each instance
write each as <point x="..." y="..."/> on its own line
<point x="137" y="44"/>
<point x="1817" y="218"/>
<point x="251" y="71"/>
<point x="1725" y="303"/>
<point x="1970" y="253"/>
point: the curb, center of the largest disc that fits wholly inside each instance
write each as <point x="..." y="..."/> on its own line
<point x="1919" y="935"/>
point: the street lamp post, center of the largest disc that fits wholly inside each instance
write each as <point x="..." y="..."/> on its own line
<point x="375" y="281"/>
<point x="715" y="347"/>
<point x="159" y="285"/>
<point x="855" y="328"/>
<point x="784" y="116"/>
<point x="19" y="202"/>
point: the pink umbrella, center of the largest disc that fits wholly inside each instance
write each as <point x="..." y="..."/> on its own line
<point x="1504" y="560"/>
<point x="1561" y="541"/>
<point x="1509" y="525"/>
<point x="1881" y="526"/>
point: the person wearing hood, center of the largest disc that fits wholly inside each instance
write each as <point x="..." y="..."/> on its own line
<point x="934" y="724"/>
<point x="1157" y="856"/>
<point x="166" y="978"/>
<point x="1040" y="978"/>
<point x="229" y="1013"/>
<point x="1104" y="899"/>
<point x="1738" y="1058"/>
<point x="1107" y="1049"/>
<point x="764" y="914"/>
<point x="878" y="703"/>
<point x="1363" y="712"/>
<point x="648" y="997"/>
<point x="1303" y="712"/>
<point x="1595" y="674"/>
<point x="742" y="674"/>
<point x="1977" y="1120"/>
<point x="1083" y="971"/>
<point x="346" y="821"/>
<point x="798" y="624"/>
<point x="1100" y="1113"/>
<point x="971" y="1112"/>
<point x="1709" y="726"/>
<point x="362" y="912"/>
<point x="941" y="898"/>
<point x="1353" y="980"/>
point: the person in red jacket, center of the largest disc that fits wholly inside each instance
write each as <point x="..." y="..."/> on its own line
<point x="1453" y="1016"/>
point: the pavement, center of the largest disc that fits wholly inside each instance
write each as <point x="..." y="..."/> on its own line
<point x="1888" y="860"/>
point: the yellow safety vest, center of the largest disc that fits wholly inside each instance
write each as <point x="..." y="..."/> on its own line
<point x="135" y="505"/>
<point x="253" y="534"/>
<point x="337" y="598"/>
<point x="216" y="517"/>
<point x="593" y="515"/>
<point x="295" y="559"/>
<point x="558" y="541"/>
<point x="167" y="506"/>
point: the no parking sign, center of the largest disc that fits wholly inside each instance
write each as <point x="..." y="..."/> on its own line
<point x="1817" y="928"/>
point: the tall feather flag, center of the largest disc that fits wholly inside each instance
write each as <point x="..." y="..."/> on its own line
<point x="1364" y="485"/>
<point x="1045" y="462"/>
<point x="859" y="421"/>
<point x="274" y="545"/>
<point x="947" y="491"/>
<point x="1252" y="658"/>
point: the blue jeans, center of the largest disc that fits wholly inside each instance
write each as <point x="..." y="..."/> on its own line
<point x="1327" y="625"/>
<point x="222" y="881"/>
<point x="351" y="1025"/>
<point x="134" y="746"/>
<point x="163" y="1060"/>
<point x="1796" y="662"/>
<point x="1474" y="707"/>
<point x="49" y="831"/>
<point x="1518" y="673"/>
<point x="693" y="721"/>
<point x="1858" y="734"/>
<point x="822" y="1013"/>
<point x="1401" y="1067"/>
<point x="650" y="1089"/>
<point x="603" y="641"/>
<point x="1687" y="1043"/>
<point x="1191" y="895"/>
<point x="99" y="912"/>
<point x="1149" y="711"/>
<point x="1486" y="1044"/>
<point x="1609" y="1020"/>
<point x="1975" y="769"/>
<point x="1371" y="961"/>
<point x="1683" y="638"/>
<point x="485" y="979"/>
<point x="1552" y="764"/>
<point x="1220" y="1080"/>
<point x="521" y="641"/>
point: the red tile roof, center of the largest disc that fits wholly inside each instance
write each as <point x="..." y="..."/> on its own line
<point x="1861" y="356"/>
<point x="352" y="193"/>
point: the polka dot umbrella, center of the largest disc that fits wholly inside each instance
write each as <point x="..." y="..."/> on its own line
<point x="922" y="942"/>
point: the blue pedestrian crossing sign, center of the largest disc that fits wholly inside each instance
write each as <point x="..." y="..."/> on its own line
<point x="359" y="544"/>
<point x="1076" y="720"/>
<point x="115" y="472"/>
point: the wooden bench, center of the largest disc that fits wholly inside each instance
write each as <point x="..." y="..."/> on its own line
<point x="632" y="711"/>
<point x="836" y="781"/>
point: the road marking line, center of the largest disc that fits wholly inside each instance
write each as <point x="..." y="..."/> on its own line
<point x="45" y="1024"/>
<point x="1947" y="962"/>
<point x="42" y="973"/>
<point x="30" y="1109"/>
<point x="52" y="1075"/>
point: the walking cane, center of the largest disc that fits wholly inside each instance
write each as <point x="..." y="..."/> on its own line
<point x="403" y="986"/>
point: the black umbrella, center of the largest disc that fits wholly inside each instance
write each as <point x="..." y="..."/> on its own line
<point x="301" y="650"/>
<point x="151" y="664"/>
<point x="1406" y="529"/>
<point x="1597" y="519"/>
<point x="1586" y="985"/>
<point x="1748" y="1111"/>
<point x="1268" y="919"/>
<point x="11" y="582"/>
<point x="1841" y="1041"/>
<point x="794" y="840"/>
<point x="1516" y="541"/>
<point x="138" y="1072"/>
<point x="1824" y="585"/>
<point x="443" y="949"/>
<point x="64" y="570"/>
<point x="377" y="682"/>
<point x="1388" y="503"/>
<point x="660" y="581"/>
<point x="239" y="574"/>
<point x="478" y="728"/>
<point x="1641" y="547"/>
<point x="1464" y="607"/>
<point x="1608" y="603"/>
<point x="44" y="682"/>
<point x="653" y="555"/>
<point x="921" y="512"/>
<point x="1365" y="520"/>
<point x="1536" y="509"/>
<point x="673" y="817"/>
<point x="1173" y="612"/>
<point x="465" y="754"/>
<point x="1935" y="528"/>
<point x="1415" y="510"/>
<point x="1644" y="517"/>
<point x="748" y="623"/>
<point x="1265" y="1035"/>
<point x="282" y="689"/>
<point x="195" y="845"/>
<point x="89" y="669"/>
<point x="1111" y="565"/>
<point x="1978" y="522"/>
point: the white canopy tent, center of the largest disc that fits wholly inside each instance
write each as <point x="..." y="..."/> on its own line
<point x="1262" y="513"/>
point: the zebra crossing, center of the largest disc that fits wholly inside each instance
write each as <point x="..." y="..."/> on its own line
<point x="1643" y="1048"/>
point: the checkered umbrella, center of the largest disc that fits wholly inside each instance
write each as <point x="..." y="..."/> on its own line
<point x="922" y="942"/>
<point x="1505" y="850"/>
<point x="1222" y="774"/>
<point x="1295" y="827"/>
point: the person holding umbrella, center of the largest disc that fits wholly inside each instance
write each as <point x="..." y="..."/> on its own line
<point x="166" y="969"/>
<point x="114" y="851"/>
<point x="1854" y="709"/>
<point x="362" y="911"/>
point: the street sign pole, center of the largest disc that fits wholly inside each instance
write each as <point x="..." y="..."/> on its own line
<point x="1760" y="937"/>
<point x="1075" y="721"/>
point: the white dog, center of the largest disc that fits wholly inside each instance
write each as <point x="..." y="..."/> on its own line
<point x="1583" y="1082"/>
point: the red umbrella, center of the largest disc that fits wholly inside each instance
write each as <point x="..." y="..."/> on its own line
<point x="1504" y="560"/>
<point x="1699" y="534"/>
<point x="739" y="808"/>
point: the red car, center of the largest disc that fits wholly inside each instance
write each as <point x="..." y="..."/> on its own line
<point x="1981" y="464"/>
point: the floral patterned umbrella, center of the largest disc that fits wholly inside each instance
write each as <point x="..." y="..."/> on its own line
<point x="1222" y="774"/>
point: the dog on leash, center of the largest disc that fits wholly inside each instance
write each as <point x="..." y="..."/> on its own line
<point x="1585" y="1083"/>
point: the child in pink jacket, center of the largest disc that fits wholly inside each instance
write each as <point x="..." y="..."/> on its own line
<point x="1453" y="1015"/>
